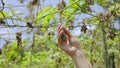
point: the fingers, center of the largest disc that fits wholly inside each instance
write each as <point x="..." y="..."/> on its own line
<point x="61" y="27"/>
<point x="67" y="32"/>
<point x="61" y="35"/>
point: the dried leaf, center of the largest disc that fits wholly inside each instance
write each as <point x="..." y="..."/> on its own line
<point x="83" y="28"/>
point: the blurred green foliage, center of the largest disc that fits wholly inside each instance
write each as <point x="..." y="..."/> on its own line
<point x="45" y="53"/>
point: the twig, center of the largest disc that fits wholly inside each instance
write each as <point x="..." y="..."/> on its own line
<point x="3" y="4"/>
<point x="38" y="26"/>
<point x="16" y="6"/>
<point x="11" y="26"/>
<point x="15" y="19"/>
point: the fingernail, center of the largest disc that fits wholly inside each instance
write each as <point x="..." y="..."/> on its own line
<point x="61" y="26"/>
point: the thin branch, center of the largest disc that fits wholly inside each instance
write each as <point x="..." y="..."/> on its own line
<point x="5" y="33"/>
<point x="16" y="6"/>
<point x="3" y="4"/>
<point x="38" y="26"/>
<point x="6" y="22"/>
<point x="11" y="26"/>
<point x="104" y="45"/>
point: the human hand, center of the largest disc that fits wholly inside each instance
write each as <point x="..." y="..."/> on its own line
<point x="70" y="45"/>
<point x="66" y="41"/>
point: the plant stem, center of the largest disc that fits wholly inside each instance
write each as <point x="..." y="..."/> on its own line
<point x="104" y="45"/>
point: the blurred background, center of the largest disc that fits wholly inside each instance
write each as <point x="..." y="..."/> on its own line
<point x="28" y="32"/>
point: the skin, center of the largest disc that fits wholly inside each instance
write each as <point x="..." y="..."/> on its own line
<point x="70" y="45"/>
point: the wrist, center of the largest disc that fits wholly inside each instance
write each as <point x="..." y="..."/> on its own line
<point x="78" y="54"/>
<point x="79" y="59"/>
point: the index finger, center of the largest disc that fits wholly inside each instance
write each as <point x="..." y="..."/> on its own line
<point x="59" y="25"/>
<point x="67" y="32"/>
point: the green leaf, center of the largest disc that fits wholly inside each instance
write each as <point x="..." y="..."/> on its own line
<point x="12" y="55"/>
<point x="3" y="14"/>
<point x="45" y="23"/>
<point x="42" y="13"/>
<point x="76" y="5"/>
<point x="43" y="29"/>
<point x="47" y="12"/>
<point x="46" y="20"/>
<point x="102" y="1"/>
<point x="25" y="63"/>
<point x="83" y="7"/>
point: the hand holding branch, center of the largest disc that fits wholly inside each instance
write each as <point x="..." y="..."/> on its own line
<point x="70" y="45"/>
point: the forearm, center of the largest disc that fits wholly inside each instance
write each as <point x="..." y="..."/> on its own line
<point x="80" y="60"/>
